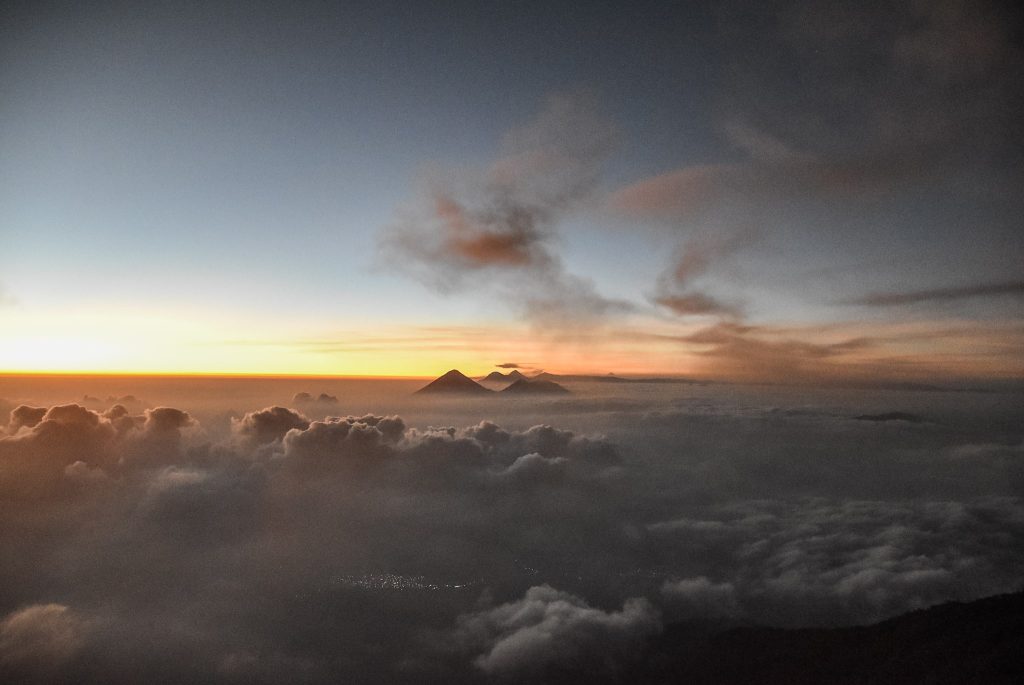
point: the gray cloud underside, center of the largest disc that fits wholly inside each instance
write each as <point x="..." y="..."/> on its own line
<point x="890" y="299"/>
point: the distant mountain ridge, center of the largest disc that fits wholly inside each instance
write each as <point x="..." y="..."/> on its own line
<point x="543" y="383"/>
<point x="455" y="382"/>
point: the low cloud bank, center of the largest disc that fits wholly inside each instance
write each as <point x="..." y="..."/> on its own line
<point x="474" y="552"/>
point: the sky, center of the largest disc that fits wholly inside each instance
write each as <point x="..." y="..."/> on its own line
<point x="782" y="191"/>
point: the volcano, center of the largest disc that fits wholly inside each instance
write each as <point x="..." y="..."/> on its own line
<point x="499" y="377"/>
<point x="534" y="387"/>
<point x="453" y="383"/>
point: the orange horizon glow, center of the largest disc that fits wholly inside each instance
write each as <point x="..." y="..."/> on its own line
<point x="212" y="345"/>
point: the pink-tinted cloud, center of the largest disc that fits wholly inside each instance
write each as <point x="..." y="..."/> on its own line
<point x="494" y="231"/>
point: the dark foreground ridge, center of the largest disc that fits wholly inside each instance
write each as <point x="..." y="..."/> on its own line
<point x="535" y="387"/>
<point x="453" y="383"/>
<point x="974" y="642"/>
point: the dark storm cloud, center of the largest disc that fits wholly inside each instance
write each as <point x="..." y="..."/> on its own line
<point x="889" y="299"/>
<point x="502" y="223"/>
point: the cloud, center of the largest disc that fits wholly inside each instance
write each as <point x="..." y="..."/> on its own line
<point x="504" y="221"/>
<point x="39" y="639"/>
<point x="497" y="228"/>
<point x="880" y="87"/>
<point x="533" y="468"/>
<point x="697" y="598"/>
<point x="549" y="632"/>
<point x="61" y="435"/>
<point x="47" y="447"/>
<point x="693" y="304"/>
<point x="268" y="425"/>
<point x="808" y="562"/>
<point x="889" y="299"/>
<point x="304" y="398"/>
<point x="700" y="253"/>
<point x="339" y="442"/>
<point x="737" y="350"/>
<point x="25" y="416"/>
<point x="414" y="546"/>
<point x="888" y="101"/>
<point x="166" y="420"/>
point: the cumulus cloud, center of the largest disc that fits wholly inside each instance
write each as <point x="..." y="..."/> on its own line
<point x="342" y="441"/>
<point x="26" y="416"/>
<point x="533" y="468"/>
<point x="305" y="398"/>
<point x="549" y="632"/>
<point x="268" y="425"/>
<point x="166" y="420"/>
<point x="380" y="545"/>
<point x="39" y="639"/>
<point x="697" y="598"/>
<point x="46" y="446"/>
<point x="61" y="435"/>
<point x="809" y="562"/>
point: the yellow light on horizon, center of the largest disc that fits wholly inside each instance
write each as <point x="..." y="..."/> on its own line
<point x="41" y="353"/>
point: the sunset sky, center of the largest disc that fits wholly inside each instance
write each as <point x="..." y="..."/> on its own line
<point x="785" y="193"/>
<point x="246" y="249"/>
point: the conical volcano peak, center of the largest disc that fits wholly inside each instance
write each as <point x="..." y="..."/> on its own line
<point x="453" y="381"/>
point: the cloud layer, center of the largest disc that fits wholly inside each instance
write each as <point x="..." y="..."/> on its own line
<point x="454" y="548"/>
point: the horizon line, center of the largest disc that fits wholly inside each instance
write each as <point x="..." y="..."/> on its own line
<point x="241" y="375"/>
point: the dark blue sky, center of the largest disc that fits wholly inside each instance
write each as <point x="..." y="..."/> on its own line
<point x="284" y="161"/>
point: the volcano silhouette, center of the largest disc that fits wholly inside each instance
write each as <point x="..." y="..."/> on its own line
<point x="498" y="376"/>
<point x="453" y="383"/>
<point x="534" y="387"/>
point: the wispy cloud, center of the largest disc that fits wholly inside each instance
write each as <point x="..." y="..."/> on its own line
<point x="494" y="231"/>
<point x="894" y="298"/>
